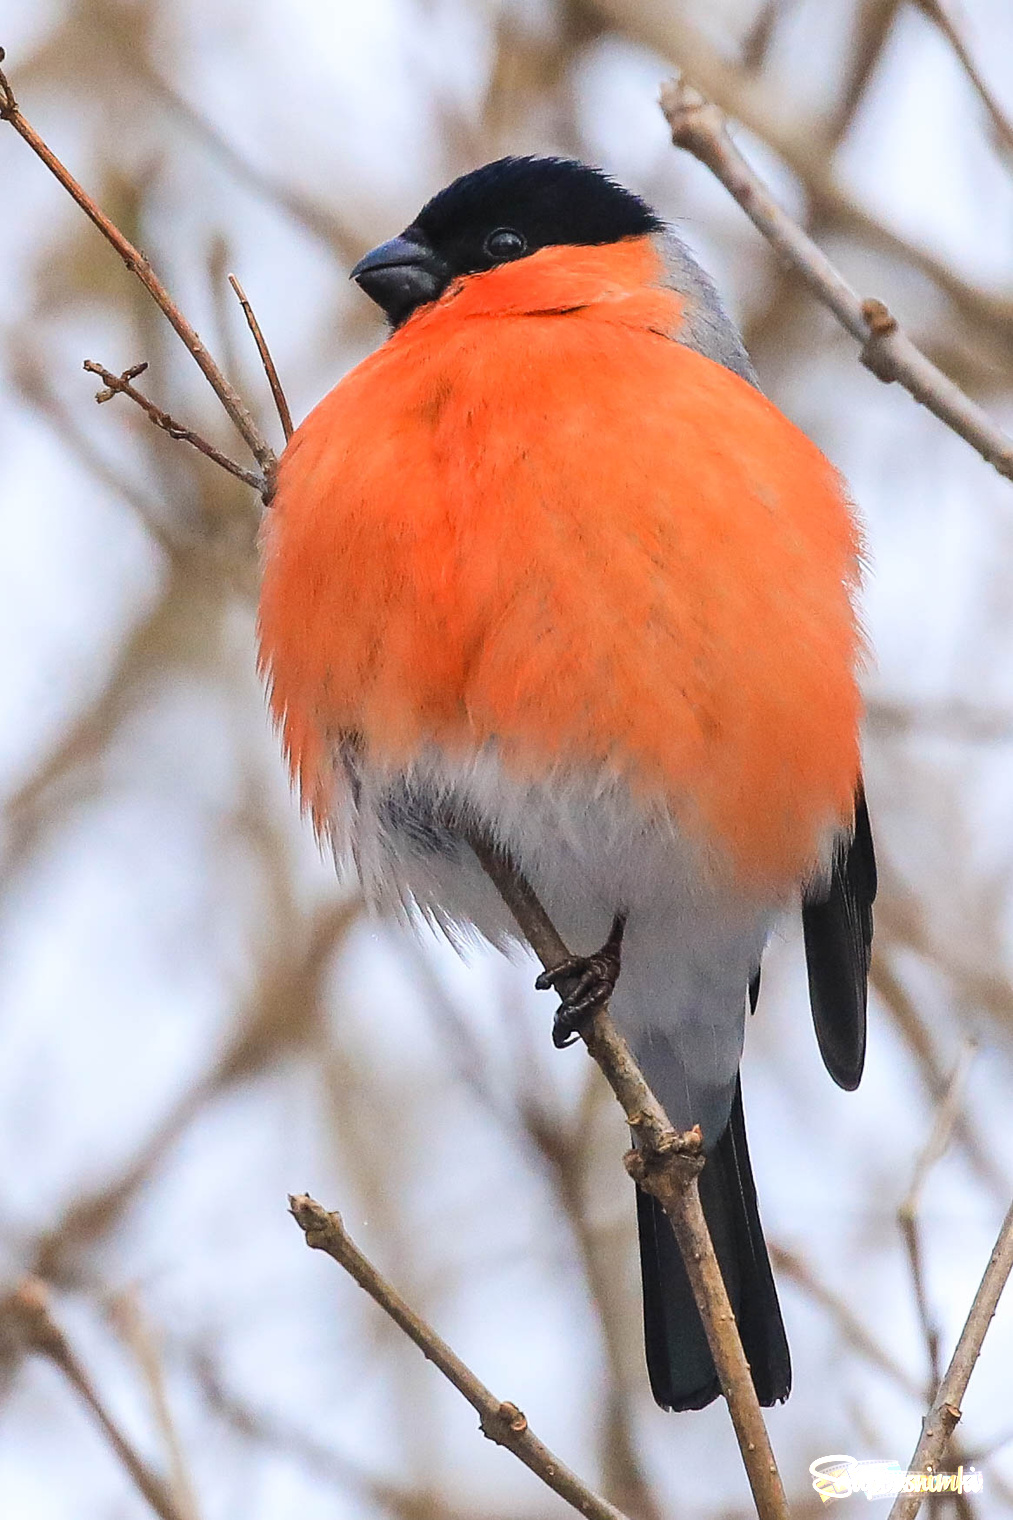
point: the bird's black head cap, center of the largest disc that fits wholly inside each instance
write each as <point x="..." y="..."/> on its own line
<point x="496" y="214"/>
<point x="545" y="201"/>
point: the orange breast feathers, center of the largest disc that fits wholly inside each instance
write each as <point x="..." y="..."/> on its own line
<point x="532" y="521"/>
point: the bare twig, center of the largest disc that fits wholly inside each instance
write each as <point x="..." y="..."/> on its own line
<point x="805" y="146"/>
<point x="32" y="379"/>
<point x="942" y="1418"/>
<point x="523" y="1112"/>
<point x="281" y="1014"/>
<point x="644" y="1114"/>
<point x="886" y="981"/>
<point x="698" y="126"/>
<point x="501" y="1422"/>
<point x="963" y="722"/>
<point x="907" y="1214"/>
<point x="138" y="265"/>
<point x="759" y="37"/>
<point x="873" y="26"/>
<point x="562" y="1148"/>
<point x="27" y="1312"/>
<point x="799" y="1271"/>
<point x="267" y="1431"/>
<point x="1000" y="122"/>
<point x="666" y="1164"/>
<point x="119" y="385"/>
<point x="346" y="242"/>
<point x="270" y="371"/>
<point x="130" y="1322"/>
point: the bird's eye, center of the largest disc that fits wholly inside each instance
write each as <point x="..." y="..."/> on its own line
<point x="504" y="244"/>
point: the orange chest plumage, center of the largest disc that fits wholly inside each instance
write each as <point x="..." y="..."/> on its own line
<point x="532" y="520"/>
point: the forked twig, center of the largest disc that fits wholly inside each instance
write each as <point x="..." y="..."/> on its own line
<point x="28" y="1314"/>
<point x="138" y="265"/>
<point x="501" y="1422"/>
<point x="699" y="127"/>
<point x="666" y="1164"/>
<point x="280" y="401"/>
<point x="120" y="385"/>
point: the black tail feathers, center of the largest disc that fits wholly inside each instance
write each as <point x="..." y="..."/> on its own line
<point x="679" y="1362"/>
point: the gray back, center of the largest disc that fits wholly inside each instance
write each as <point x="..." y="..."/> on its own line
<point x="706" y="326"/>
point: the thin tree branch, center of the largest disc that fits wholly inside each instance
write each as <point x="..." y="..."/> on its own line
<point x="644" y="1114"/>
<point x="501" y="1422"/>
<point x="347" y="243"/>
<point x="963" y="722"/>
<point x="907" y="1214"/>
<point x="804" y="145"/>
<point x="265" y="1430"/>
<point x="30" y="377"/>
<point x="562" y="1149"/>
<point x="759" y="37"/>
<point x="1000" y="122"/>
<point x="131" y="1325"/>
<point x="666" y="1164"/>
<point x="799" y="1271"/>
<point x="138" y="265"/>
<point x="524" y="1112"/>
<point x="698" y="126"/>
<point x="886" y="981"/>
<point x="874" y="21"/>
<point x="942" y="1418"/>
<point x="119" y="385"/>
<point x="280" y="1014"/>
<point x="27" y="1313"/>
<point x="285" y="416"/>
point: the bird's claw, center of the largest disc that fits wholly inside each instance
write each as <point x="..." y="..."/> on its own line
<point x="585" y="983"/>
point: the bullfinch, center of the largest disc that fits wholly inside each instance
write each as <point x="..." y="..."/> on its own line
<point x="549" y="565"/>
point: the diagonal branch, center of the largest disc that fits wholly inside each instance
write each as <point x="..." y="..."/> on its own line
<point x="501" y="1422"/>
<point x="805" y="146"/>
<point x="345" y="242"/>
<point x="1002" y="127"/>
<point x="27" y="1314"/>
<point x="887" y="983"/>
<point x="797" y="1270"/>
<point x="280" y="401"/>
<point x="138" y="265"/>
<point x="130" y="1323"/>
<point x="121" y="385"/>
<point x="908" y="1213"/>
<point x="942" y="1418"/>
<point x="699" y="127"/>
<point x="665" y="1164"/>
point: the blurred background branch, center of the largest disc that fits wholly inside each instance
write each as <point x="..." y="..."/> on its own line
<point x="192" y="1006"/>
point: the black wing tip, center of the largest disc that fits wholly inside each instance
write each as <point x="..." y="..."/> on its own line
<point x="847" y="1073"/>
<point x="776" y="1392"/>
<point x="673" y="1403"/>
<point x="837" y="928"/>
<point x="840" y="1026"/>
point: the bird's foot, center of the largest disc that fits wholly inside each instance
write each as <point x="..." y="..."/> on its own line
<point x="585" y="983"/>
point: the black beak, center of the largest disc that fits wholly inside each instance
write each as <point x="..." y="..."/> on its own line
<point x="401" y="275"/>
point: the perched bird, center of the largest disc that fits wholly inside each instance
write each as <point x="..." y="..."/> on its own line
<point x="549" y="565"/>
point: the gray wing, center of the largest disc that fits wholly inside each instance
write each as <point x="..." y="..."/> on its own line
<point x="706" y="326"/>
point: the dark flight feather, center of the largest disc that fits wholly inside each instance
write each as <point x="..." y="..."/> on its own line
<point x="837" y="928"/>
<point x="679" y="1362"/>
